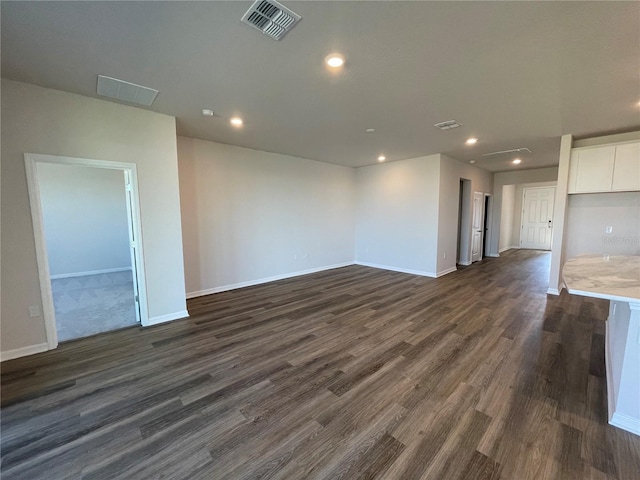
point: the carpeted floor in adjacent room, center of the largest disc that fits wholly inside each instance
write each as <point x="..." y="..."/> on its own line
<point x="93" y="303"/>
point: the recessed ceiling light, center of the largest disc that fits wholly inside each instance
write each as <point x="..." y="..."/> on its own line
<point x="236" y="121"/>
<point x="471" y="141"/>
<point x="472" y="161"/>
<point x="382" y="158"/>
<point x="517" y="161"/>
<point x="370" y="130"/>
<point x="207" y="113"/>
<point x="334" y="60"/>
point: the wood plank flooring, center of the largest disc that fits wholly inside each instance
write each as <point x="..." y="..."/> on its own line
<point x="353" y="373"/>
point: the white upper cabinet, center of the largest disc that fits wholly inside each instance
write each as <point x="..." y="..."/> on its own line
<point x="606" y="168"/>
<point x="591" y="169"/>
<point x="626" y="170"/>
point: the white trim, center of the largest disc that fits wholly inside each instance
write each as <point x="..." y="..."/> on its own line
<point x="90" y="272"/>
<point x="447" y="271"/>
<point x="625" y="422"/>
<point x="250" y="283"/>
<point x="24" y="351"/>
<point x="31" y="162"/>
<point x="493" y="255"/>
<point x="553" y="291"/>
<point x="167" y="318"/>
<point x="396" y="269"/>
<point x="488" y="221"/>
<point x="512" y="247"/>
<point x="42" y="260"/>
<point x="611" y="394"/>
<point x="464" y="264"/>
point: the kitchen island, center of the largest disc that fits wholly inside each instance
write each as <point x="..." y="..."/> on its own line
<point x="617" y="279"/>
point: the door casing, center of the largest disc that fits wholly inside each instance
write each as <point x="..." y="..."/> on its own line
<point x="31" y="164"/>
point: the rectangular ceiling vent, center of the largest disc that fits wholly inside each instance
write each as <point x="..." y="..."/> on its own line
<point x="507" y="152"/>
<point x="271" y="18"/>
<point x="126" y="91"/>
<point x="448" y="125"/>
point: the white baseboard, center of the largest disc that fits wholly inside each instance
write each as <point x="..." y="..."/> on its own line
<point x="493" y="255"/>
<point x="556" y="291"/>
<point x="250" y="283"/>
<point x="167" y="318"/>
<point x="465" y="264"/>
<point x="24" y="351"/>
<point x="90" y="272"/>
<point x="445" y="272"/>
<point x="625" y="422"/>
<point x="395" y="269"/>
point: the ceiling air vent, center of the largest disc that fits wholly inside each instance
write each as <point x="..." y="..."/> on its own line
<point x="271" y="18"/>
<point x="448" y="125"/>
<point x="125" y="91"/>
<point x="507" y="152"/>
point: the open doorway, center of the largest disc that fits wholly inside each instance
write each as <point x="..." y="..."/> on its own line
<point x="464" y="220"/>
<point x="488" y="219"/>
<point x="526" y="216"/>
<point x="86" y="223"/>
<point x="480" y="225"/>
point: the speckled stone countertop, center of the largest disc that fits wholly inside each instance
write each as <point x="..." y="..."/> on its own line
<point x="612" y="278"/>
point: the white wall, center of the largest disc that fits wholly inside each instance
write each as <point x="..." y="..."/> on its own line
<point x="249" y="216"/>
<point x="85" y="218"/>
<point x="506" y="217"/>
<point x="589" y="214"/>
<point x="40" y="120"/>
<point x="515" y="177"/>
<point x="451" y="171"/>
<point x="397" y="214"/>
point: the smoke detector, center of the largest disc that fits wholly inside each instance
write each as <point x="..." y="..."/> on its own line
<point x="271" y="18"/>
<point x="125" y="91"/>
<point x="448" y="125"/>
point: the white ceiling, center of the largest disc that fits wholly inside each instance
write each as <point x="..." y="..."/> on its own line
<point x="515" y="74"/>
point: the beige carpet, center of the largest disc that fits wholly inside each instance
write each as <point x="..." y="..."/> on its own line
<point x="92" y="304"/>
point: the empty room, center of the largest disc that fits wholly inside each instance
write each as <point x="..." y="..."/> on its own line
<point x="320" y="240"/>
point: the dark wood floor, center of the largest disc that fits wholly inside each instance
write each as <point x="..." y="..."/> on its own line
<point x="350" y="373"/>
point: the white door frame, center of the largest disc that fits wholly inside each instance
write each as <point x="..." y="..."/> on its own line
<point x="31" y="163"/>
<point x="480" y="228"/>
<point x="524" y="195"/>
<point x="488" y="198"/>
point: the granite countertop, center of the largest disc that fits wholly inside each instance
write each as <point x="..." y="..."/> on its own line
<point x="613" y="278"/>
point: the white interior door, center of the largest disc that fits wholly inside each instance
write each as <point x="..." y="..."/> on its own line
<point x="477" y="226"/>
<point x="133" y="241"/>
<point x="537" y="218"/>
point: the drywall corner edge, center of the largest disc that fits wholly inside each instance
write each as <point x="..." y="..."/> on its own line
<point x="446" y="272"/>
